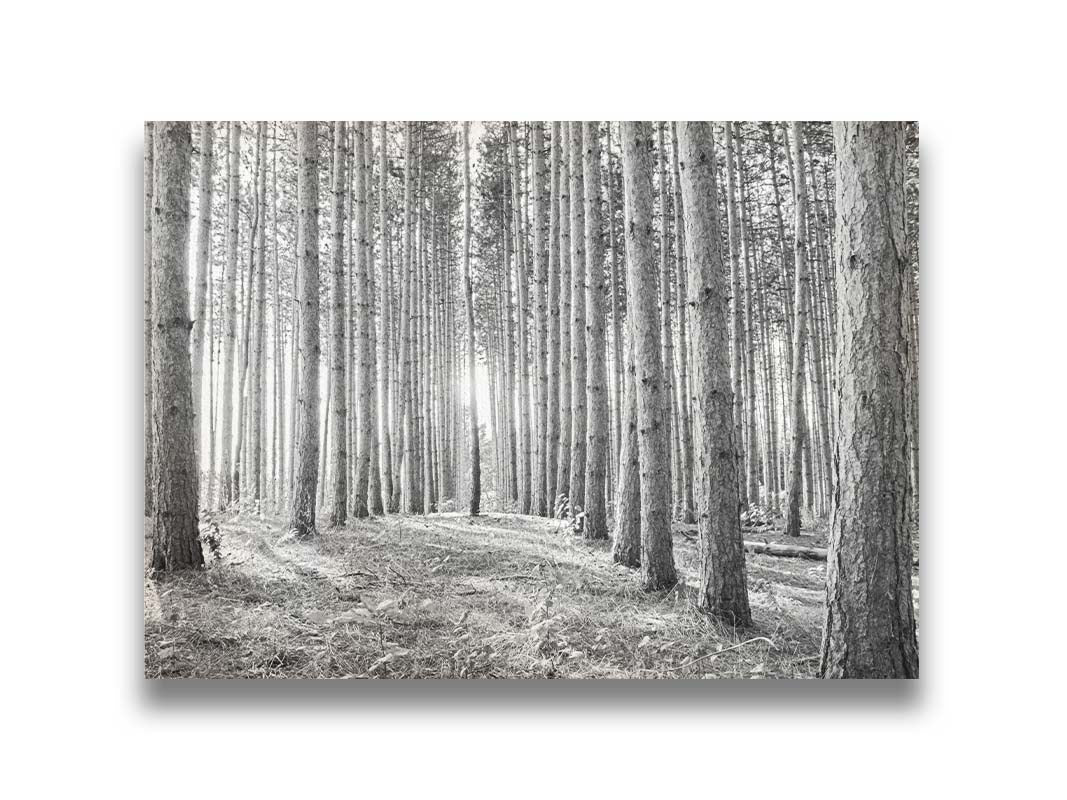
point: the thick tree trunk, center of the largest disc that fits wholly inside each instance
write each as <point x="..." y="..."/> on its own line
<point x="869" y="629"/>
<point x="149" y="179"/>
<point x="596" y="456"/>
<point x="657" y="558"/>
<point x="723" y="589"/>
<point x="302" y="503"/>
<point x="175" y="477"/>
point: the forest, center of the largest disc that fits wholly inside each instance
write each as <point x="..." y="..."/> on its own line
<point x="528" y="399"/>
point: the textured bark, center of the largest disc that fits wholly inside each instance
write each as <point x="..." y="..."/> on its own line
<point x="540" y="255"/>
<point x="203" y="258"/>
<point x="616" y="310"/>
<point x="800" y="331"/>
<point x="751" y="416"/>
<point x="362" y="352"/>
<point x="175" y="477"/>
<point x="723" y="589"/>
<point x="302" y="502"/>
<point x="657" y="558"/>
<point x="148" y="186"/>
<point x="869" y="629"/>
<point x="476" y="459"/>
<point x="626" y="544"/>
<point x="410" y="502"/>
<point x="563" y="473"/>
<point x="684" y="393"/>
<point x="229" y="316"/>
<point x="374" y="489"/>
<point x="666" y="337"/>
<point x="386" y="369"/>
<point x="524" y="444"/>
<point x="553" y="365"/>
<point x="338" y="496"/>
<point x="737" y="340"/>
<point x="257" y="449"/>
<point x="576" y="492"/>
<point x="596" y="456"/>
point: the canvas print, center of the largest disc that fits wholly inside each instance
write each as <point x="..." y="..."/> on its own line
<point x="531" y="399"/>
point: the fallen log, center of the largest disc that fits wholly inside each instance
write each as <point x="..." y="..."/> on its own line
<point x="795" y="551"/>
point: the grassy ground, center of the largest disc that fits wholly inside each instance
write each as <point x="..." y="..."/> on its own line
<point x="448" y="596"/>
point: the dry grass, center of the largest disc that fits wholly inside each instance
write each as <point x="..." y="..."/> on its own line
<point x="448" y="596"/>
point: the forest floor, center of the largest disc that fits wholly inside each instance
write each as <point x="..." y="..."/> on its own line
<point x="450" y="596"/>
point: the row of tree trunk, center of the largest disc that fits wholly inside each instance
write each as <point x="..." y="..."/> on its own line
<point x="692" y="420"/>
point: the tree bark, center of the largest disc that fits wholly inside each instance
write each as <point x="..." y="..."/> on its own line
<point x="869" y="629"/>
<point x="738" y="338"/>
<point x="552" y="435"/>
<point x="723" y="589"/>
<point x="175" y="477"/>
<point x="596" y="456"/>
<point x="578" y="350"/>
<point x="229" y="316"/>
<point x="149" y="179"/>
<point x="302" y="504"/>
<point x="800" y="329"/>
<point x="338" y="495"/>
<point x="203" y="259"/>
<point x="657" y="558"/>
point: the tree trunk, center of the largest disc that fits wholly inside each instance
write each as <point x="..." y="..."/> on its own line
<point x="338" y="494"/>
<point x="175" y="478"/>
<point x="149" y="179"/>
<point x="302" y="504"/>
<point x="869" y="629"/>
<point x="684" y="392"/>
<point x="552" y="434"/>
<point x="476" y="459"/>
<point x="540" y="254"/>
<point x="596" y="456"/>
<point x="203" y="258"/>
<point x="563" y="474"/>
<point x="258" y="333"/>
<point x="576" y="492"/>
<point x="738" y="338"/>
<point x="800" y="329"/>
<point x="657" y="558"/>
<point x="229" y="316"/>
<point x="723" y="589"/>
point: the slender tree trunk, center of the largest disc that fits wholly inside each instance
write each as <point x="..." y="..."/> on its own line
<point x="578" y="354"/>
<point x="302" y="505"/>
<point x="376" y="506"/>
<point x="540" y="254"/>
<point x="738" y="338"/>
<point x="258" y="332"/>
<point x="476" y="459"/>
<point x="685" y="433"/>
<point x="723" y="589"/>
<point x="657" y="558"/>
<point x="229" y="316"/>
<point x="751" y="416"/>
<point x="175" y="477"/>
<point x="552" y="435"/>
<point x="800" y="330"/>
<point x="563" y="474"/>
<point x="596" y="514"/>
<point x="364" y="420"/>
<point x="616" y="310"/>
<point x="869" y="629"/>
<point x="338" y="495"/>
<point x="203" y="257"/>
<point x="626" y="547"/>
<point x="666" y="336"/>
<point x="523" y="374"/>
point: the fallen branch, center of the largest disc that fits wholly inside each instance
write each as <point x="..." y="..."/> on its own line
<point x="796" y="551"/>
<point x="720" y="652"/>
